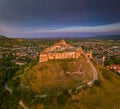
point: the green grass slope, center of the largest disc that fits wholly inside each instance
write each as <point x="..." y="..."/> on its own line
<point x="104" y="94"/>
<point x="52" y="76"/>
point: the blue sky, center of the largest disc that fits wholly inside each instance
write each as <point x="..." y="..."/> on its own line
<point x="54" y="18"/>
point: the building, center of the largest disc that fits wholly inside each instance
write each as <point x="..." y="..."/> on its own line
<point x="60" y="50"/>
<point x="19" y="62"/>
<point x="88" y="55"/>
<point x="114" y="67"/>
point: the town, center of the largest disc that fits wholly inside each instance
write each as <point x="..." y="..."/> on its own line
<point x="22" y="51"/>
<point x="55" y="65"/>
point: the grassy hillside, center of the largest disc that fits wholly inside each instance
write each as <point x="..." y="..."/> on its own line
<point x="53" y="76"/>
<point x="3" y="37"/>
<point x="104" y="94"/>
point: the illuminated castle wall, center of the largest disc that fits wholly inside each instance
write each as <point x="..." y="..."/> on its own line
<point x="60" y="50"/>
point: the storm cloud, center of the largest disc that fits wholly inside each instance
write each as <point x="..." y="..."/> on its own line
<point x="33" y="14"/>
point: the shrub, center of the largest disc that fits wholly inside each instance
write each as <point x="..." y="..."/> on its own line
<point x="97" y="83"/>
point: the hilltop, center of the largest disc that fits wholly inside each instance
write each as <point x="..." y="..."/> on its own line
<point x="40" y="78"/>
<point x="61" y="67"/>
<point x="56" y="75"/>
<point x="61" y="84"/>
<point x="65" y="83"/>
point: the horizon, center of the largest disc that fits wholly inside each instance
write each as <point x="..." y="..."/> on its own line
<point x="99" y="37"/>
<point x="55" y="18"/>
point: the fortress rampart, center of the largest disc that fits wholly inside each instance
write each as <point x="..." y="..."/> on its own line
<point x="60" y="50"/>
<point x="64" y="55"/>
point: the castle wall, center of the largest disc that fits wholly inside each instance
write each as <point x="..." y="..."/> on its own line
<point x="43" y="58"/>
<point x="63" y="55"/>
<point x="51" y="53"/>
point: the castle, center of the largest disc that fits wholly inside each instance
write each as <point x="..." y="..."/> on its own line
<point x="60" y="50"/>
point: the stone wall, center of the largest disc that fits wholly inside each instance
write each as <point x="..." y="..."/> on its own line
<point x="52" y="53"/>
<point x="64" y="55"/>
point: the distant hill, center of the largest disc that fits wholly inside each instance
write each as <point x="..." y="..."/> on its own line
<point x="11" y="39"/>
<point x="3" y="37"/>
<point x="107" y="37"/>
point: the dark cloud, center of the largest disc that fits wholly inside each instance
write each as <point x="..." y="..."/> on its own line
<point x="17" y="16"/>
<point x="60" y="11"/>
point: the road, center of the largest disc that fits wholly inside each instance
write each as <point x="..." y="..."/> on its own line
<point x="20" y="102"/>
<point x="22" y="105"/>
<point x="95" y="73"/>
<point x="8" y="89"/>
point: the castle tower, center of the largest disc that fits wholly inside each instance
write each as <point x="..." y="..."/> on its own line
<point x="62" y="42"/>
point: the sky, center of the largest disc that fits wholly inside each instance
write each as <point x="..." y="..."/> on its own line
<point x="59" y="18"/>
